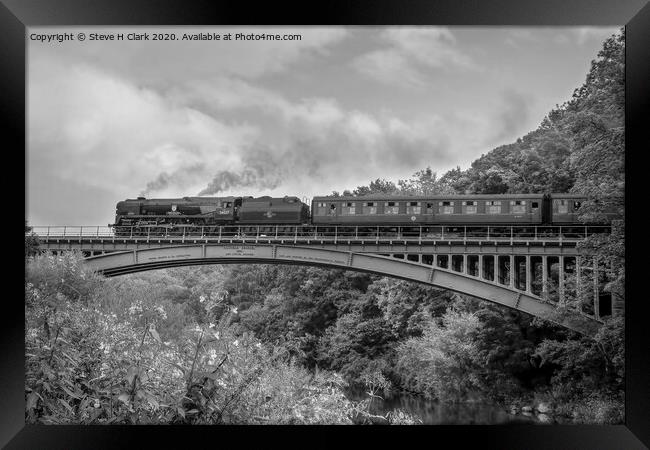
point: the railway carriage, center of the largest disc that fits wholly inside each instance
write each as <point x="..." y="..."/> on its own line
<point x="563" y="208"/>
<point x="525" y="209"/>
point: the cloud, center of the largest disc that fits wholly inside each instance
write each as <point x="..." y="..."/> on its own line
<point x="94" y="129"/>
<point x="522" y="36"/>
<point x="410" y="55"/>
<point x="108" y="133"/>
<point x="513" y="118"/>
<point x="582" y="35"/>
<point x="320" y="141"/>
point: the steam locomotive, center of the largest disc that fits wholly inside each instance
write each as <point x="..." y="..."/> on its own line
<point x="209" y="214"/>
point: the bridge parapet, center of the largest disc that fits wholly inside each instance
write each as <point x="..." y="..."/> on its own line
<point x="552" y="235"/>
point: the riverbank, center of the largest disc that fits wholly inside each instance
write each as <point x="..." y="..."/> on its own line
<point x="433" y="412"/>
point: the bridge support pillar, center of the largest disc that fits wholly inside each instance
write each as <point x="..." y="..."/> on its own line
<point x="596" y="293"/>
<point x="512" y="271"/>
<point x="480" y="267"/>
<point x="465" y="271"/>
<point x="496" y="267"/>
<point x="578" y="278"/>
<point x="545" y="277"/>
<point x="561" y="280"/>
<point x="529" y="272"/>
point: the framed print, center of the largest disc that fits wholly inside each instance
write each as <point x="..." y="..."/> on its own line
<point x="364" y="214"/>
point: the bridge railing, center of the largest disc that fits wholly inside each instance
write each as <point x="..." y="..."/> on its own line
<point x="331" y="233"/>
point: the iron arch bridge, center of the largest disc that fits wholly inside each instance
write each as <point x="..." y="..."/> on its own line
<point x="504" y="271"/>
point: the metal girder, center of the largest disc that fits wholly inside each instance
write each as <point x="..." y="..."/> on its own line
<point x="123" y="262"/>
<point x="431" y="248"/>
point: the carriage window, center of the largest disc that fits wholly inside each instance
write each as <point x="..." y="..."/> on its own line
<point x="227" y="204"/>
<point x="446" y="207"/>
<point x="493" y="207"/>
<point x="348" y="209"/>
<point x="469" y="207"/>
<point x="369" y="208"/>
<point x="391" y="208"/>
<point x="429" y="208"/>
<point x="518" y="206"/>
<point x="414" y="208"/>
<point x="534" y="205"/>
<point x="321" y="209"/>
<point x="576" y="205"/>
<point x="332" y="209"/>
<point x="562" y="206"/>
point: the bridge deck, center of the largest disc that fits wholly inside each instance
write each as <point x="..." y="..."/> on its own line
<point x="511" y="235"/>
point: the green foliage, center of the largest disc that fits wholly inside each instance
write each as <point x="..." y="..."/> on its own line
<point x="91" y="359"/>
<point x="587" y="365"/>
<point x="31" y="242"/>
<point x="442" y="364"/>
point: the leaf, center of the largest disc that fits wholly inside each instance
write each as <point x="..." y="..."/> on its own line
<point x="32" y="400"/>
<point x="70" y="393"/>
<point x="152" y="400"/>
<point x="211" y="375"/>
<point x="155" y="334"/>
<point x="131" y="373"/>
<point x="179" y="367"/>
<point x="75" y="362"/>
<point x="143" y="375"/>
<point x="67" y="406"/>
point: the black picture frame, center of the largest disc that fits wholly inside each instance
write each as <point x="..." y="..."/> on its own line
<point x="16" y="15"/>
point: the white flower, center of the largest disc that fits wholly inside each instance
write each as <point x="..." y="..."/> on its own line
<point x="236" y="343"/>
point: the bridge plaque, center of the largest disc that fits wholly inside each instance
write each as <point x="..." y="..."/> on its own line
<point x="165" y="254"/>
<point x="238" y="251"/>
<point x="311" y="255"/>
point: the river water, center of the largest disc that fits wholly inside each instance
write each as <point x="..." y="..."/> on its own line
<point x="432" y="412"/>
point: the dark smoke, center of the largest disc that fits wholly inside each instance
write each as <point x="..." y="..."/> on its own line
<point x="160" y="183"/>
<point x="180" y="177"/>
<point x="262" y="170"/>
<point x="225" y="180"/>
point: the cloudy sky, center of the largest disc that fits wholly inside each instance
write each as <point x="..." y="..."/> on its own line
<point x="342" y="106"/>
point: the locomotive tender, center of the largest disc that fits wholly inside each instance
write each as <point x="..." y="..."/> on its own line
<point x="210" y="213"/>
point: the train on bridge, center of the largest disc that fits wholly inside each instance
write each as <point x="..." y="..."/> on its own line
<point x="200" y="214"/>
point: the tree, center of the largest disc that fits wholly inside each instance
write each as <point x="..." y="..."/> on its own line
<point x="31" y="242"/>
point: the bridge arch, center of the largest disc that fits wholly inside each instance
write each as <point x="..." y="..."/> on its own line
<point x="125" y="262"/>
